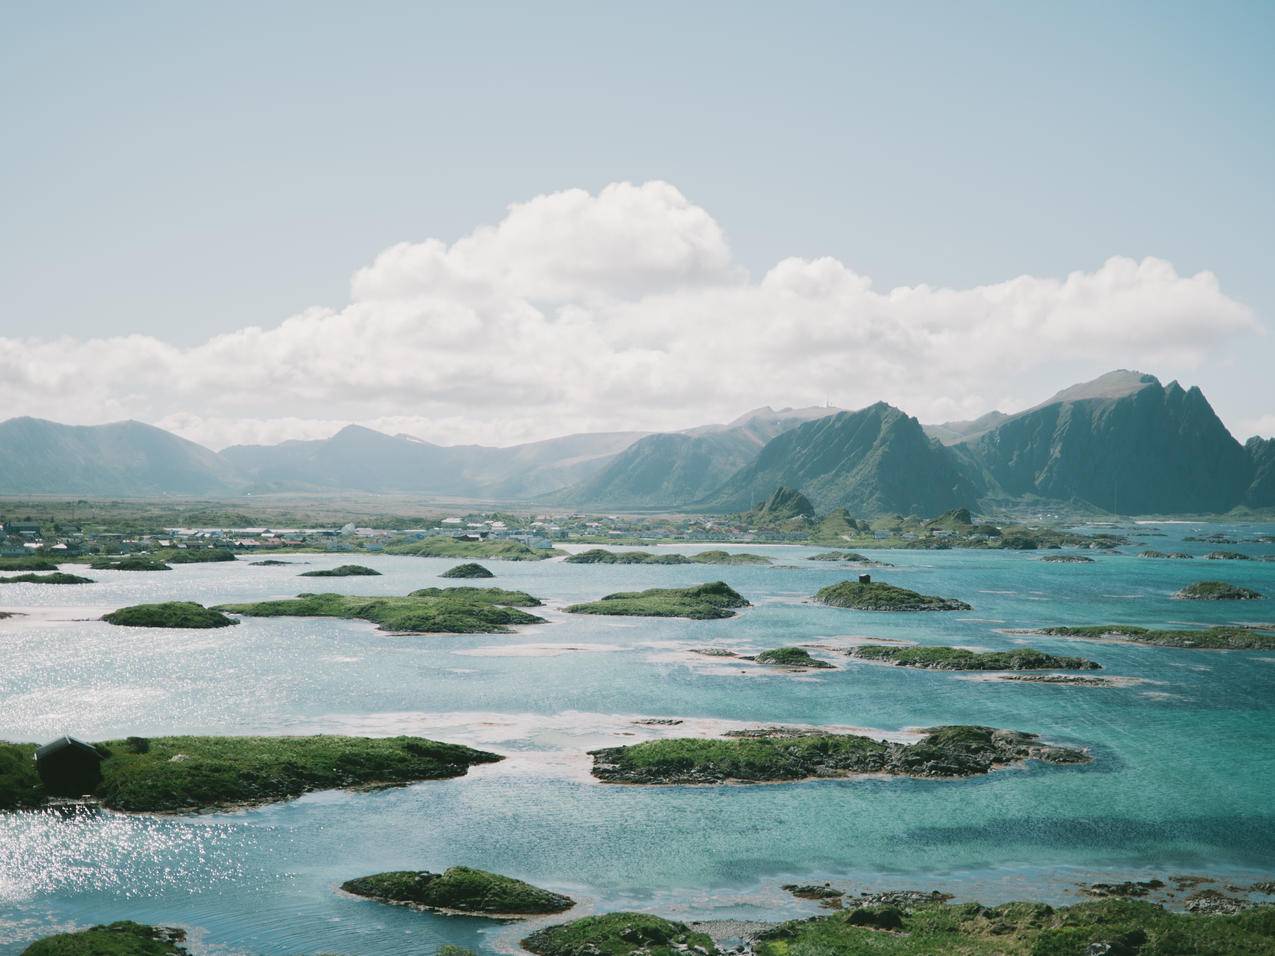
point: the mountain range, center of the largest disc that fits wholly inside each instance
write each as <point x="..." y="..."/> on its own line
<point x="1123" y="443"/>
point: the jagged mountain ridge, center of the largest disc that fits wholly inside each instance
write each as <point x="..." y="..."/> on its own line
<point x="671" y="469"/>
<point x="1121" y="442"/>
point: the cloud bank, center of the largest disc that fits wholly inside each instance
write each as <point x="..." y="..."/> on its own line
<point x="621" y="310"/>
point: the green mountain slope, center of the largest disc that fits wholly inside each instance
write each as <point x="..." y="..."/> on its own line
<point x="123" y="458"/>
<point x="872" y="461"/>
<point x="1122" y="442"/>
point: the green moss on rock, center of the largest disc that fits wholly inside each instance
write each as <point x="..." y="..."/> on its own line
<point x="878" y="596"/>
<point x="619" y="934"/>
<point x="960" y="659"/>
<point x="786" y="755"/>
<point x="460" y="889"/>
<point x="342" y="571"/>
<point x="470" y="570"/>
<point x="435" y="611"/>
<point x="124" y="938"/>
<point x="168" y="614"/>
<point x="702" y="602"/>
<point x="1216" y="591"/>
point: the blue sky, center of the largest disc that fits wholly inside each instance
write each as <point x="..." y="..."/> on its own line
<point x="183" y="171"/>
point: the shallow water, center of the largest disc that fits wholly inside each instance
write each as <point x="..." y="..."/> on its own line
<point x="1181" y="782"/>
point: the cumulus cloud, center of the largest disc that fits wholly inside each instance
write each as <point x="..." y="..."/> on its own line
<point x="621" y="310"/>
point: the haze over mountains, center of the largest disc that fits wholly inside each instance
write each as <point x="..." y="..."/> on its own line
<point x="1123" y="442"/>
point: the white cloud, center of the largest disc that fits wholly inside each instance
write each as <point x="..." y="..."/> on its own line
<point x="616" y="311"/>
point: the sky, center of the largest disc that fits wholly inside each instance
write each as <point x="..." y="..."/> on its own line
<point x="493" y="223"/>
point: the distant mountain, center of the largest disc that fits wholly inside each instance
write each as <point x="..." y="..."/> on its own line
<point x="1122" y="442"/>
<point x="361" y="459"/>
<point x="1261" y="489"/>
<point x="672" y="469"/>
<point x="123" y="458"/>
<point x="949" y="433"/>
<point x="871" y="461"/>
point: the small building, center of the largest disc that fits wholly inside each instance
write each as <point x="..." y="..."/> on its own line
<point x="68" y="767"/>
<point x="865" y="579"/>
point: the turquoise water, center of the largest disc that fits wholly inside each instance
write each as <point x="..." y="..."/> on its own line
<point x="1182" y="778"/>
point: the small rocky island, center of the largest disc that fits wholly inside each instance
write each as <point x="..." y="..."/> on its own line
<point x="962" y="659"/>
<point x="461" y="610"/>
<point x="790" y="657"/>
<point x="1067" y="559"/>
<point x="1204" y="638"/>
<point x="878" y="596"/>
<point x="134" y="562"/>
<point x="603" y="556"/>
<point x="195" y="555"/>
<point x="1166" y="555"/>
<point x="501" y="549"/>
<point x="468" y="570"/>
<point x="1227" y="556"/>
<point x="702" y="602"/>
<point x="1216" y="591"/>
<point x="789" y="754"/>
<point x="342" y="571"/>
<point x="188" y="774"/>
<point x="55" y="577"/>
<point x="124" y="938"/>
<point x="849" y="557"/>
<point x="271" y="563"/>
<point x="460" y="889"/>
<point x="916" y="924"/>
<point x="169" y="614"/>
<point x="620" y="934"/>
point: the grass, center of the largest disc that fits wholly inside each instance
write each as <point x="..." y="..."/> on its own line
<point x="56" y="577"/>
<point x="878" y="596"/>
<point x="168" y="614"/>
<point x="24" y="563"/>
<point x="619" y="934"/>
<point x="960" y="659"/>
<point x="1207" y="638"/>
<point x="500" y="550"/>
<point x="462" y="889"/>
<point x="134" y="562"/>
<point x="433" y="611"/>
<point x="1114" y="927"/>
<point x="1216" y="591"/>
<point x="195" y="555"/>
<point x="175" y="774"/>
<point x="470" y="570"/>
<point x="786" y="755"/>
<point x="124" y="938"/>
<point x="480" y="596"/>
<point x="603" y="556"/>
<point x="702" y="602"/>
<point x="342" y="571"/>
<point x="19" y="783"/>
<point x="790" y="657"/>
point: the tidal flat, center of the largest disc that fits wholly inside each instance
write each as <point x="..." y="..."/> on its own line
<point x="265" y="879"/>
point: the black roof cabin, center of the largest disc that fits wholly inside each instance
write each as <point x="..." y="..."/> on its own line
<point x="68" y="767"/>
